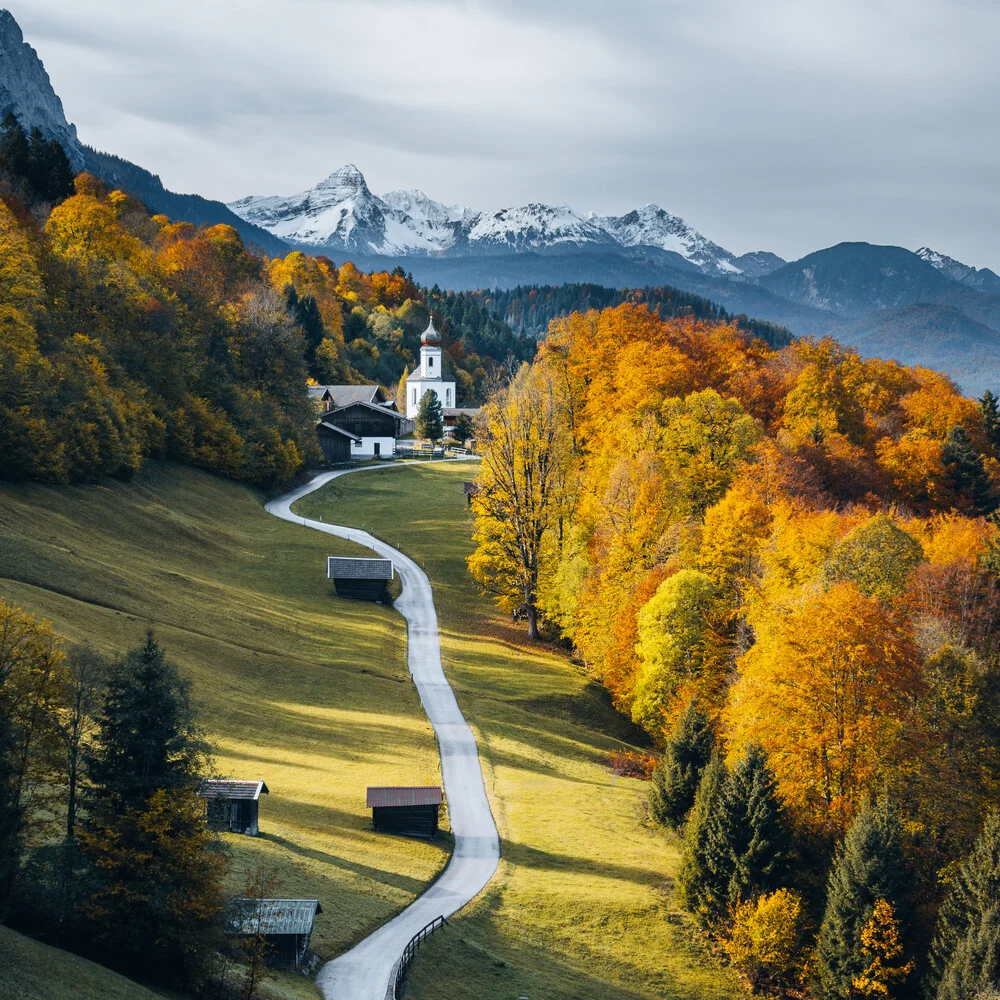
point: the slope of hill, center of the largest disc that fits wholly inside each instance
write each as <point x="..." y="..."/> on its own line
<point x="294" y="686"/>
<point x="582" y="905"/>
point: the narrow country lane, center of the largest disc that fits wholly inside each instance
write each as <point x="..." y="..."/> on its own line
<point x="363" y="973"/>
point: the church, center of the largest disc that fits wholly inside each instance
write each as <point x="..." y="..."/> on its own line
<point x="430" y="376"/>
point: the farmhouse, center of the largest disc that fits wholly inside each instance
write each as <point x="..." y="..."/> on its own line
<point x="233" y="805"/>
<point x="451" y="418"/>
<point x="285" y="924"/>
<point x="335" y="443"/>
<point x="372" y="427"/>
<point x="360" y="579"/>
<point x="430" y="376"/>
<point x="409" y="811"/>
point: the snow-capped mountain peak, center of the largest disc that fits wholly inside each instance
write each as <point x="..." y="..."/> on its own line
<point x="341" y="213"/>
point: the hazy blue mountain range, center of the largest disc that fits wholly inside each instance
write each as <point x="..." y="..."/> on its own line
<point x="921" y="308"/>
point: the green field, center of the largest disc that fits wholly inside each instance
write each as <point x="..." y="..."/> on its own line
<point x="294" y="686"/>
<point x="582" y="906"/>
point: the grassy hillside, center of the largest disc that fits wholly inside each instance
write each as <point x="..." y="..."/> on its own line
<point x="582" y="905"/>
<point x="294" y="686"/>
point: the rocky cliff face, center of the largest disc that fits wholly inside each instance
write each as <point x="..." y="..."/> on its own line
<point x="26" y="90"/>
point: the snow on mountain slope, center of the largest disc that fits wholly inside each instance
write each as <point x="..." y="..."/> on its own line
<point x="982" y="279"/>
<point x="651" y="226"/>
<point x="342" y="213"/>
<point x="534" y="227"/>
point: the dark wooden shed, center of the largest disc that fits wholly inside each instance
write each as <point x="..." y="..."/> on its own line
<point x="334" y="442"/>
<point x="233" y="805"/>
<point x="360" y="579"/>
<point x="409" y="811"/>
<point x="285" y="924"/>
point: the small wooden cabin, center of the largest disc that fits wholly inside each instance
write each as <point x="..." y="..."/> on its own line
<point x="233" y="805"/>
<point x="335" y="443"/>
<point x="412" y="812"/>
<point x="285" y="924"/>
<point x="360" y="579"/>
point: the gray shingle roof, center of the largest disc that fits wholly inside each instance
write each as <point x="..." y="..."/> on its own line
<point x="338" y="430"/>
<point x="224" y="789"/>
<point x="344" y="395"/>
<point x="342" y="568"/>
<point x="273" y="916"/>
<point x="389" y="797"/>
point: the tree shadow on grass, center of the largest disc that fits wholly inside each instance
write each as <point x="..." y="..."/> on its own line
<point x="531" y="857"/>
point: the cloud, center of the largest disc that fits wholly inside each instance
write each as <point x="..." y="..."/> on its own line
<point x="766" y="123"/>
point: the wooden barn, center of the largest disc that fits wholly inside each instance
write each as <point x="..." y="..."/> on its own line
<point x="335" y="443"/>
<point x="373" y="427"/>
<point x="412" y="812"/>
<point x="360" y="579"/>
<point x="285" y="924"/>
<point x="233" y="805"/>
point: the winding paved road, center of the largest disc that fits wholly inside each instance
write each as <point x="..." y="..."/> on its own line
<point x="363" y="972"/>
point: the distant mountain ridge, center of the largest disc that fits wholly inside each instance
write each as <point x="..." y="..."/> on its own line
<point x="342" y="214"/>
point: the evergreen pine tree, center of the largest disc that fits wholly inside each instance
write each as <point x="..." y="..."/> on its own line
<point x="58" y="173"/>
<point x="14" y="146"/>
<point x="430" y="419"/>
<point x="968" y="473"/>
<point x="760" y="841"/>
<point x="973" y="971"/>
<point x="38" y="163"/>
<point x="675" y="780"/>
<point x="989" y="408"/>
<point x="146" y="738"/>
<point x="705" y="870"/>
<point x="868" y="867"/>
<point x="974" y="892"/>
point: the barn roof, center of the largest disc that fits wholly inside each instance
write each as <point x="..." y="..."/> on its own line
<point x="388" y="408"/>
<point x="338" y="430"/>
<point x="422" y="795"/>
<point x="344" y="395"/>
<point x="224" y="789"/>
<point x="273" y="916"/>
<point x="342" y="568"/>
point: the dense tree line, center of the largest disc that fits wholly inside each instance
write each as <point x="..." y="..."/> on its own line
<point x="783" y="563"/>
<point x="528" y="310"/>
<point x="125" y="336"/>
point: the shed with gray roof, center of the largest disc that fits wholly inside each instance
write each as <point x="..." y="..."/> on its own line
<point x="285" y="924"/>
<point x="233" y="805"/>
<point x="360" y="579"/>
<point x="412" y="811"/>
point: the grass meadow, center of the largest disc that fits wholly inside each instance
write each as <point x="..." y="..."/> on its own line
<point x="582" y="906"/>
<point x="293" y="685"/>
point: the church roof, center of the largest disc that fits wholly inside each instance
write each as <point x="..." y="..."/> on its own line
<point x="430" y="338"/>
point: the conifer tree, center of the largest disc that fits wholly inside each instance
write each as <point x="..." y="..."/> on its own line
<point x="759" y="838"/>
<point x="705" y="869"/>
<point x="967" y="471"/>
<point x="868" y="867"/>
<point x="430" y="420"/>
<point x="973" y="973"/>
<point x="675" y="781"/>
<point x="965" y="917"/>
<point x="146" y="739"/>
<point x="989" y="408"/>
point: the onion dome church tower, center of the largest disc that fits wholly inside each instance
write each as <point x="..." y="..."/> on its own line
<point x="429" y="377"/>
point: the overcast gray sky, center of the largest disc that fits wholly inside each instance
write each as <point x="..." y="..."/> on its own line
<point x="785" y="125"/>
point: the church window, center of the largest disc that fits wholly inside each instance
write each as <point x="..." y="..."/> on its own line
<point x="430" y="364"/>
<point x="414" y="397"/>
<point x="447" y="397"/>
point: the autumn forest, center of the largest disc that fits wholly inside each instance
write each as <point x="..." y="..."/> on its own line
<point x="784" y="565"/>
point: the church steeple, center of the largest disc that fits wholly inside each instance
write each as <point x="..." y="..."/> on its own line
<point x="430" y="353"/>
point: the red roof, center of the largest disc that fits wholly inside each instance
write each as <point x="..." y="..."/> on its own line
<point x="423" y="795"/>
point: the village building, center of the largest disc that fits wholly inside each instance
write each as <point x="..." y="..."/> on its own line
<point x="412" y="812"/>
<point x="451" y="417"/>
<point x="285" y="924"/>
<point x="233" y="805"/>
<point x="360" y="579"/>
<point x="430" y="376"/>
<point x="371" y="427"/>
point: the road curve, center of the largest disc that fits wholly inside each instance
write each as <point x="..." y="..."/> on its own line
<point x="363" y="972"/>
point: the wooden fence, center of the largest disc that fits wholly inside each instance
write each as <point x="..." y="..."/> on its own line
<point x="399" y="969"/>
